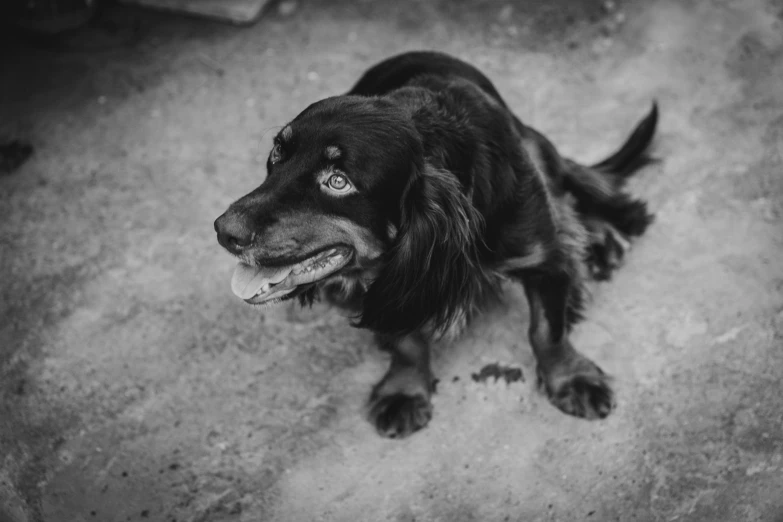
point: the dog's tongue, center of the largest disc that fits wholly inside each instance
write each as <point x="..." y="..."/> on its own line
<point x="248" y="281"/>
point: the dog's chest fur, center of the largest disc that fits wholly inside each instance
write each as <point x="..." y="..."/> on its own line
<point x="347" y="292"/>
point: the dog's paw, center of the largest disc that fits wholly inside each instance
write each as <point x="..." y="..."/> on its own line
<point x="398" y="415"/>
<point x="578" y="387"/>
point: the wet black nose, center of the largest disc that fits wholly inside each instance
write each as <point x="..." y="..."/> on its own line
<point x="232" y="234"/>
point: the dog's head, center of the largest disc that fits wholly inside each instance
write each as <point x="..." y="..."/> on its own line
<point x="348" y="192"/>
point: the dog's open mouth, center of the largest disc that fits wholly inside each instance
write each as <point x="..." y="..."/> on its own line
<point x="259" y="284"/>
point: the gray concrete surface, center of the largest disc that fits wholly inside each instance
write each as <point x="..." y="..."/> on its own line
<point x="135" y="386"/>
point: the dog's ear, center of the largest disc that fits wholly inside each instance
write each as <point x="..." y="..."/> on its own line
<point x="432" y="275"/>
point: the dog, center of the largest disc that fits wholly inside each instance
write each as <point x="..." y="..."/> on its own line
<point x="410" y="199"/>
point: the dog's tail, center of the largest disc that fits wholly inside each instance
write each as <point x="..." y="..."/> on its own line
<point x="633" y="154"/>
<point x="598" y="188"/>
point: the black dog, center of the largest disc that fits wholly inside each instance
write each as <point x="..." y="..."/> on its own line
<point x="409" y="199"/>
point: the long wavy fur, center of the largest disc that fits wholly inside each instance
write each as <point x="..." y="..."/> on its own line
<point x="432" y="275"/>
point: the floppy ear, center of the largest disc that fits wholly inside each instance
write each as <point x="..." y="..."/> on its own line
<point x="432" y="275"/>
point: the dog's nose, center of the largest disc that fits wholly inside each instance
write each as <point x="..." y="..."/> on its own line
<point x="232" y="234"/>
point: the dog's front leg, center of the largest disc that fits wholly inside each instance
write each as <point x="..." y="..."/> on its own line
<point x="573" y="383"/>
<point x="400" y="403"/>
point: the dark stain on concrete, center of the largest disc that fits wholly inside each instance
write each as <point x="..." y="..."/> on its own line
<point x="497" y="371"/>
<point x="751" y="57"/>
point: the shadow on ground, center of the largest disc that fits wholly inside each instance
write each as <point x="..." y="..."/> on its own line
<point x="134" y="386"/>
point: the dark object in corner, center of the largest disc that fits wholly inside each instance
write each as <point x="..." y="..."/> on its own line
<point x="13" y="155"/>
<point x="508" y="373"/>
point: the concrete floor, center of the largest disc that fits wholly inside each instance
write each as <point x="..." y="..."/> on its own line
<point x="135" y="386"/>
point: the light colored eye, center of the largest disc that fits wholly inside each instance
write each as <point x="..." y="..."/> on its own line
<point x="338" y="183"/>
<point x="276" y="154"/>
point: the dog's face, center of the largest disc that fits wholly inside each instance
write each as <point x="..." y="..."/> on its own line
<point x="330" y="203"/>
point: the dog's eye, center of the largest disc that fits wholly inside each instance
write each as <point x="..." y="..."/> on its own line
<point x="277" y="153"/>
<point x="338" y="183"/>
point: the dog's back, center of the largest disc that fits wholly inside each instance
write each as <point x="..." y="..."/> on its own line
<point x="397" y="71"/>
<point x="597" y="188"/>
